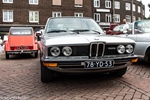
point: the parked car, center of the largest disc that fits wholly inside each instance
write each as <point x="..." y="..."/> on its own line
<point x="21" y="40"/>
<point x="120" y="29"/>
<point x="141" y="35"/>
<point x="78" y="45"/>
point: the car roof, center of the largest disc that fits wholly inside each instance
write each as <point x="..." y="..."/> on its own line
<point x="21" y="28"/>
<point x="70" y="17"/>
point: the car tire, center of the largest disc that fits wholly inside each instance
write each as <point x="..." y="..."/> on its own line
<point x="36" y="54"/>
<point x="47" y="75"/>
<point x="6" y="55"/>
<point x="119" y="72"/>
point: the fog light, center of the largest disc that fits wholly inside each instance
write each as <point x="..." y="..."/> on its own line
<point x="134" y="60"/>
<point x="50" y="64"/>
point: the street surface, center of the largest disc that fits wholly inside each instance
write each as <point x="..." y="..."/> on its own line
<point x="20" y="80"/>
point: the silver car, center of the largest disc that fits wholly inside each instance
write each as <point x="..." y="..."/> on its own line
<point x="140" y="33"/>
<point x="79" y="45"/>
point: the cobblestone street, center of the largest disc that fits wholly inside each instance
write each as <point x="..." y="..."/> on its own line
<point x="20" y="80"/>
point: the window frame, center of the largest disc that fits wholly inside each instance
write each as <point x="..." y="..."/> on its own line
<point x="54" y="12"/>
<point x="78" y="14"/>
<point x="109" y="18"/>
<point x="78" y="5"/>
<point x="53" y="1"/>
<point x="34" y="21"/>
<point x="97" y="17"/>
<point x="133" y="7"/>
<point x="8" y="16"/>
<point x="127" y="6"/>
<point x="139" y="9"/>
<point x="109" y="4"/>
<point x="117" y="5"/>
<point x="116" y="16"/>
<point x="7" y="1"/>
<point x="96" y="3"/>
<point x="128" y="18"/>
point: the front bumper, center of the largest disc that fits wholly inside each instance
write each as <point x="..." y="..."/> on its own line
<point x="21" y="52"/>
<point x="78" y="65"/>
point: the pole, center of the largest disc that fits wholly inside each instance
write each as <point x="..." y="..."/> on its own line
<point x="132" y="11"/>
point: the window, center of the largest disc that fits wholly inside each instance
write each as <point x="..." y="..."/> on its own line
<point x="133" y="19"/>
<point x="56" y="14"/>
<point x="139" y="18"/>
<point x="133" y="7"/>
<point x="96" y="3"/>
<point x="7" y="1"/>
<point x="139" y="9"/>
<point x="97" y="17"/>
<point x="108" y="18"/>
<point x="7" y="16"/>
<point x="117" y="18"/>
<point x="35" y="2"/>
<point x="128" y="6"/>
<point x="108" y="4"/>
<point x="128" y="18"/>
<point x="78" y="3"/>
<point x="56" y="2"/>
<point x="117" y="5"/>
<point x="78" y="14"/>
<point x="33" y="16"/>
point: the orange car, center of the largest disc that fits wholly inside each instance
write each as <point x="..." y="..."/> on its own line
<point x="21" y="40"/>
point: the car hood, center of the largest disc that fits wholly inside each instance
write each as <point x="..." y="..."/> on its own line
<point x="83" y="39"/>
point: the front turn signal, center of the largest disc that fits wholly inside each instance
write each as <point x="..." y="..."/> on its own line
<point x="134" y="60"/>
<point x="50" y="64"/>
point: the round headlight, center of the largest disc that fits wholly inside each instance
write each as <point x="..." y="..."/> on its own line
<point x="55" y="51"/>
<point x="67" y="51"/>
<point x="129" y="48"/>
<point x="121" y="49"/>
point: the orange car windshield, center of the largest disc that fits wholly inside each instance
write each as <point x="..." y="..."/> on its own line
<point x="21" y="32"/>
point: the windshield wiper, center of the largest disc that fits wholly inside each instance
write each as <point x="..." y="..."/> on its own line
<point x="53" y="31"/>
<point x="96" y="31"/>
<point x="80" y="30"/>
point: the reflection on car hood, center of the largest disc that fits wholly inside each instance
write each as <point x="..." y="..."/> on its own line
<point x="83" y="39"/>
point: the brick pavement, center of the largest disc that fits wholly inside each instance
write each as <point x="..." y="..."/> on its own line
<point x="20" y="80"/>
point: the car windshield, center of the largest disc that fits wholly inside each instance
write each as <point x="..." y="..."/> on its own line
<point x="21" y="32"/>
<point x="77" y="25"/>
<point x="143" y="26"/>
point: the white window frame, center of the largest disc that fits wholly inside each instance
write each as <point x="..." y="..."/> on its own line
<point x="108" y="18"/>
<point x="79" y="5"/>
<point x="133" y="7"/>
<point x="133" y="19"/>
<point x="116" y="18"/>
<point x="97" y="17"/>
<point x="56" y="14"/>
<point x="8" y="14"/>
<point x="128" y="18"/>
<point x="34" y="2"/>
<point x="107" y="4"/>
<point x="139" y="9"/>
<point x="34" y="16"/>
<point x="117" y="5"/>
<point x="78" y="14"/>
<point x="128" y="6"/>
<point x="96" y="3"/>
<point x="7" y="1"/>
<point x="139" y="18"/>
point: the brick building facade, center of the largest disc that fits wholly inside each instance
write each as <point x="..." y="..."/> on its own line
<point x="35" y="12"/>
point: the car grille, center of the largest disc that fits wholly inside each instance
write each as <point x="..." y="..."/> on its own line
<point x="96" y="49"/>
